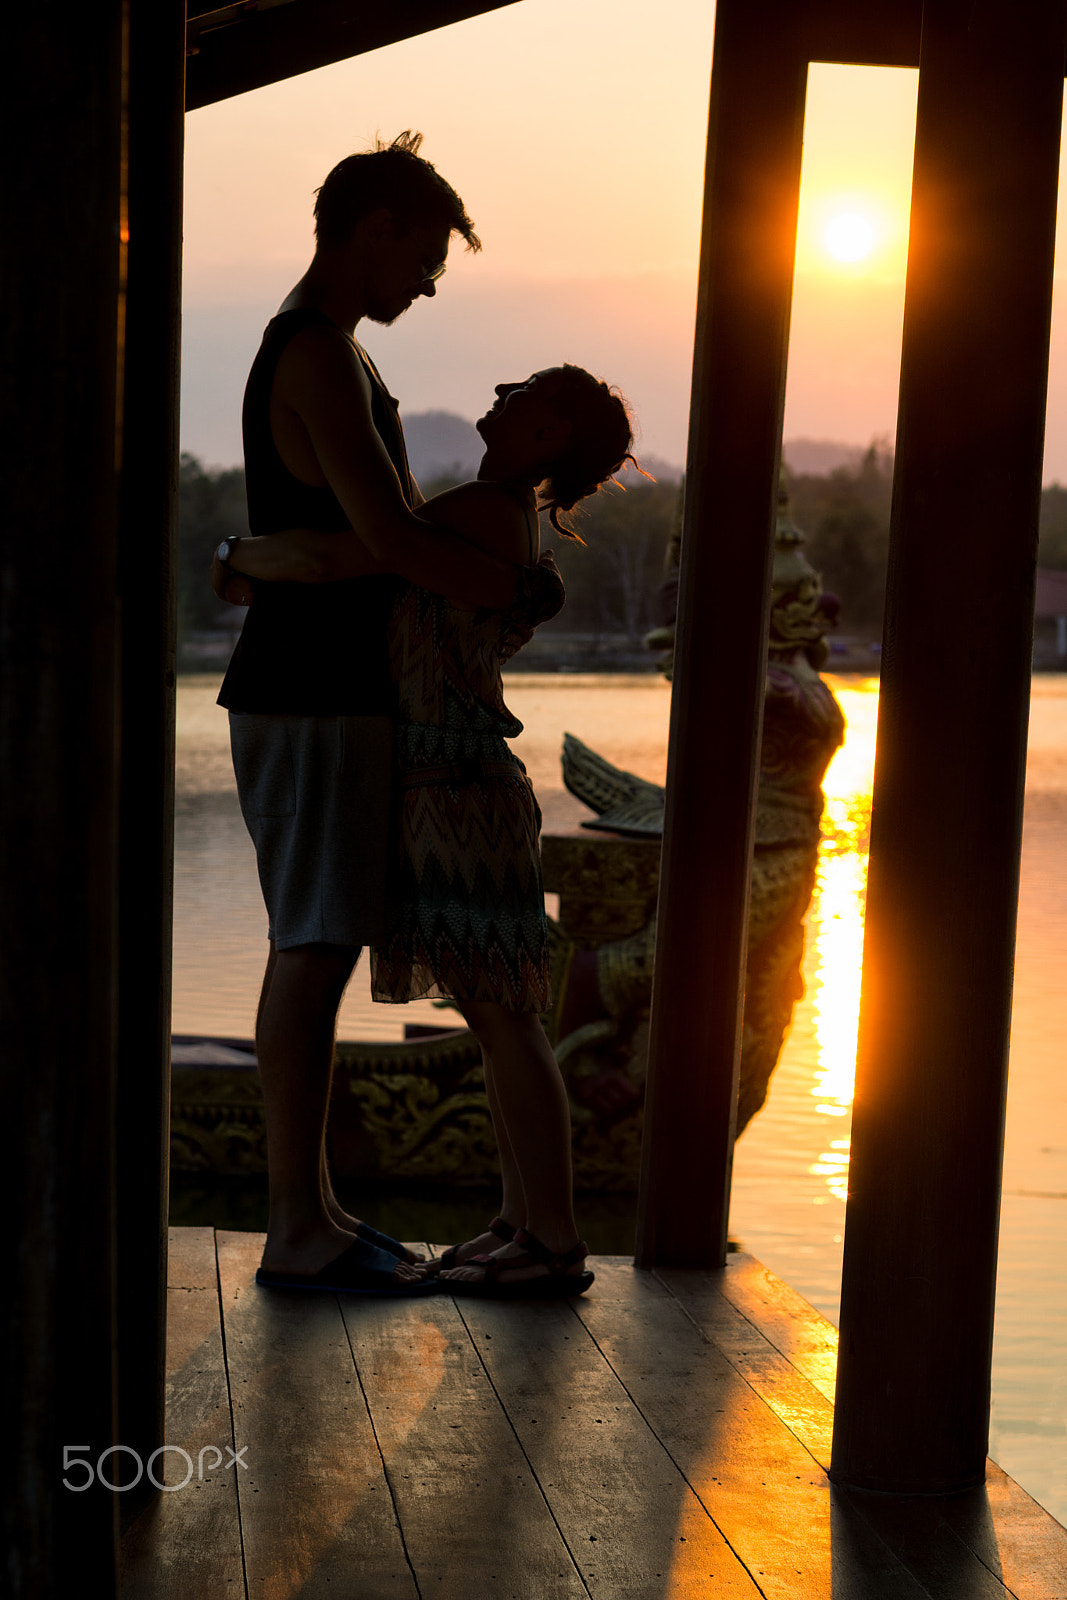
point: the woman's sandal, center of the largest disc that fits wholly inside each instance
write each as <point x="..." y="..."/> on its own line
<point x="448" y="1258"/>
<point x="557" y="1284"/>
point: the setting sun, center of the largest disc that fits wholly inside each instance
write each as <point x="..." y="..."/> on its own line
<point x="849" y="236"/>
<point x="852" y="224"/>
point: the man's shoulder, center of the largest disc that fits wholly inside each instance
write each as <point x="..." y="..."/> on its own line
<point x="318" y="359"/>
<point x="295" y="339"/>
<point x="287" y="325"/>
<point x="318" y="339"/>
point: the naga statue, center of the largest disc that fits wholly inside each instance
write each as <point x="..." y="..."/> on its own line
<point x="605" y="970"/>
<point x="415" y="1109"/>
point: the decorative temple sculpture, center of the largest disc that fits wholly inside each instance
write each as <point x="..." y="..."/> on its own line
<point x="607" y="962"/>
<point x="416" y="1109"/>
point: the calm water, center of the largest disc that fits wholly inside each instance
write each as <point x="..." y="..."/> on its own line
<point x="791" y="1166"/>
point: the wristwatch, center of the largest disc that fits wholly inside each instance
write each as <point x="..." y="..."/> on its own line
<point x="226" y="548"/>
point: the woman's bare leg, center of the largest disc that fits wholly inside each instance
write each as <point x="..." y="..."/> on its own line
<point x="534" y="1113"/>
<point x="512" y="1202"/>
<point x="513" y="1199"/>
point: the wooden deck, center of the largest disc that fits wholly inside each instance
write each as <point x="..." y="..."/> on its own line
<point x="666" y="1436"/>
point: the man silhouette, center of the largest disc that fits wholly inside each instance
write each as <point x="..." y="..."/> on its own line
<point x="308" y="689"/>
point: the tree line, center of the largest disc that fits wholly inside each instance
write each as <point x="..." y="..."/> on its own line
<point x="613" y="581"/>
<point x="211" y="507"/>
<point x="845" y="515"/>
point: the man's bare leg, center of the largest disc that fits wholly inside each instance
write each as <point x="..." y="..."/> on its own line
<point x="333" y="1207"/>
<point x="302" y="990"/>
<point x="343" y="1218"/>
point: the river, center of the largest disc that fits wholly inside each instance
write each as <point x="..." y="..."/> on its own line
<point x="791" y="1165"/>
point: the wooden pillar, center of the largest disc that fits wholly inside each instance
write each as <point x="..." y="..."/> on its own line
<point x="147" y="589"/>
<point x="60" y="415"/>
<point x="921" y="1232"/>
<point x="751" y="192"/>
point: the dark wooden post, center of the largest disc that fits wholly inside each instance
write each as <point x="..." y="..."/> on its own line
<point x="60" y="418"/>
<point x="751" y="191"/>
<point x="147" y="588"/>
<point x="921" y="1233"/>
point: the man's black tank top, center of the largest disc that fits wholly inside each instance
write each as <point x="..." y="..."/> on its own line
<point x="309" y="649"/>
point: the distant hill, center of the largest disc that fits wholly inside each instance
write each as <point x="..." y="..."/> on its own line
<point x="443" y="445"/>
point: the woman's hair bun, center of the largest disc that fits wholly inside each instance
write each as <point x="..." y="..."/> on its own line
<point x="600" y="442"/>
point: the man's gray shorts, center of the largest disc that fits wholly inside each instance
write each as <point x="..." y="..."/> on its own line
<point x="314" y="794"/>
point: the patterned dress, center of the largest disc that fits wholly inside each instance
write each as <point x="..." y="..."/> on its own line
<point x="465" y="904"/>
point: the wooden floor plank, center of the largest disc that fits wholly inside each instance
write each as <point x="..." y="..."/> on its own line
<point x="316" y="1513"/>
<point x="926" y="1535"/>
<point x="917" y="1531"/>
<point x="1014" y="1535"/>
<point x="633" y="1523"/>
<point x="766" y="1493"/>
<point x="651" y="1441"/>
<point x="785" y="1318"/>
<point x="475" y="1521"/>
<point x="188" y="1540"/>
<point x="802" y="1406"/>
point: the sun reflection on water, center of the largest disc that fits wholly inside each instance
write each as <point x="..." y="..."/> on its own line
<point x="835" y="920"/>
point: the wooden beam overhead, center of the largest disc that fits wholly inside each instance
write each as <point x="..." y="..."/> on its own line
<point x="839" y="31"/>
<point x="237" y="47"/>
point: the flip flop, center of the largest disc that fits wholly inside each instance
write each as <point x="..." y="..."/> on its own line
<point x="558" y="1284"/>
<point x="384" y="1241"/>
<point x="361" y="1269"/>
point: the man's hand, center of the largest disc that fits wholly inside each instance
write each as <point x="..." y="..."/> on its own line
<point x="543" y="597"/>
<point x="515" y="637"/>
<point x="233" y="587"/>
<point x="543" y="593"/>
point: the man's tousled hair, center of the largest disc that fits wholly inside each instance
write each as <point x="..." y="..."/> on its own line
<point x="393" y="176"/>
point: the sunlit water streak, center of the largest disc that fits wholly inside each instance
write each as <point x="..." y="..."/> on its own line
<point x="790" y="1171"/>
<point x="794" y="1157"/>
<point x="791" y="1166"/>
<point x="835" y="929"/>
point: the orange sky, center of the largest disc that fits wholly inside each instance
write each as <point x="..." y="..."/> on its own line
<point x="575" y="134"/>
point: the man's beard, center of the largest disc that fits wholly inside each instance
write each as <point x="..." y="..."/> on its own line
<point x="381" y="311"/>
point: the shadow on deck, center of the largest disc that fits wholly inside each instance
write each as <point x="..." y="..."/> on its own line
<point x="666" y="1436"/>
